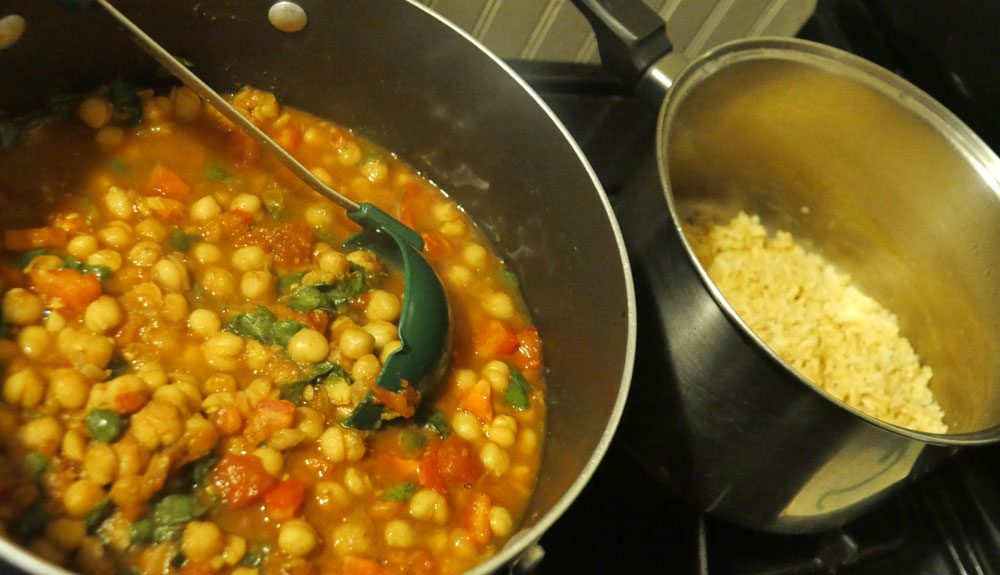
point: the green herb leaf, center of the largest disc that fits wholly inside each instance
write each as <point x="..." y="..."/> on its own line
<point x="103" y="273"/>
<point x="517" y="391"/>
<point x="200" y="468"/>
<point x="36" y="464"/>
<point x="366" y="416"/>
<point x="167" y="533"/>
<point x="399" y="492"/>
<point x="283" y="331"/>
<point x="141" y="531"/>
<point x="411" y="440"/>
<point x="285" y="283"/>
<point x="119" y="166"/>
<point x="437" y="423"/>
<point x="32" y="522"/>
<point x="255" y="555"/>
<point x="256" y="325"/>
<point x="295" y="391"/>
<point x="180" y="241"/>
<point x="63" y="103"/>
<point x="126" y="101"/>
<point x="177" y="509"/>
<point x="98" y="514"/>
<point x="216" y="172"/>
<point x="105" y="425"/>
<point x="328" y="296"/>
<point x="117" y="367"/>
<point x="307" y="298"/>
<point x="25" y="258"/>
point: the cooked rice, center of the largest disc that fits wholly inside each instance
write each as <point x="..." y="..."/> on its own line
<point x="812" y="317"/>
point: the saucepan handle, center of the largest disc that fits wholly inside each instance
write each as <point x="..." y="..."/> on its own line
<point x="633" y="42"/>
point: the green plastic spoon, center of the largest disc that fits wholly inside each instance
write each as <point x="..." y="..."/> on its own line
<point x="425" y="319"/>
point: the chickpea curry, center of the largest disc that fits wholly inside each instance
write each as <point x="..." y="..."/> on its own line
<point x="185" y="347"/>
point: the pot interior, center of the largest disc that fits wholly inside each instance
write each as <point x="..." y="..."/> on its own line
<point x="869" y="172"/>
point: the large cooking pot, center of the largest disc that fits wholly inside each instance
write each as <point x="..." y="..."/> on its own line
<point x="858" y="165"/>
<point x="418" y="86"/>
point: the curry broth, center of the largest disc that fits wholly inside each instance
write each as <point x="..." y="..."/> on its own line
<point x="181" y="414"/>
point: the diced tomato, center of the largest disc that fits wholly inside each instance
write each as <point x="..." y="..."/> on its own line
<point x="427" y="470"/>
<point x="289" y="138"/>
<point x="529" y="349"/>
<point x="164" y="182"/>
<point x="34" y="238"/>
<point x="74" y="289"/>
<point x="283" y="502"/>
<point x="478" y="401"/>
<point x="356" y="565"/>
<point x="241" y="480"/>
<point x="436" y="244"/>
<point x="246" y="151"/>
<point x="403" y="403"/>
<point x="412" y="561"/>
<point x="128" y="402"/>
<point x="477" y="521"/>
<point x="318" y="320"/>
<point x="493" y="339"/>
<point x="268" y="417"/>
<point x="291" y="243"/>
<point x="457" y="461"/>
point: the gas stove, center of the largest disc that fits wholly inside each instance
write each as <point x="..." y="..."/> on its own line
<point x="624" y="521"/>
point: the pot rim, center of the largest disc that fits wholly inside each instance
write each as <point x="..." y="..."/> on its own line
<point x="858" y="69"/>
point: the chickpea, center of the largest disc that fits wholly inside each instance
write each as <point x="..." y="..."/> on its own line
<point x="187" y="104"/>
<point x="43" y="434"/>
<point x="323" y="176"/>
<point x="175" y="309"/>
<point x="308" y="346"/>
<point x="103" y="314"/>
<point x="204" y="322"/>
<point x="429" y="505"/>
<point x="205" y="208"/>
<point x="494" y="459"/>
<point x="152" y="230"/>
<point x="95" y="112"/>
<point x="388" y="350"/>
<point x="256" y="285"/>
<point x="366" y="259"/>
<point x="202" y="540"/>
<point x="250" y="258"/>
<point x="466" y="426"/>
<point x="319" y="215"/>
<point x="222" y="350"/>
<point x="354" y="535"/>
<point x="107" y="258"/>
<point x="68" y="388"/>
<point x="205" y="253"/>
<point x="366" y="369"/>
<point x="145" y="253"/>
<point x="248" y="203"/>
<point x="350" y="154"/>
<point x="81" y="246"/>
<point x="399" y="533"/>
<point x="44" y="262"/>
<point x="157" y="423"/>
<point x="498" y="373"/>
<point x="297" y="537"/>
<point x="35" y="341"/>
<point x="117" y="235"/>
<point x="101" y="463"/>
<point x="383" y="305"/>
<point x="334" y="262"/>
<point x="218" y="282"/>
<point x="171" y="275"/>
<point x="21" y="307"/>
<point x="502" y="430"/>
<point x="109" y="137"/>
<point x="274" y="462"/>
<point x="499" y="305"/>
<point x="118" y="203"/>
<point x="81" y="496"/>
<point x="475" y="255"/>
<point x="74" y="445"/>
<point x="356" y="343"/>
<point x="382" y="332"/>
<point x="25" y="388"/>
<point x="67" y="533"/>
<point x="454" y="228"/>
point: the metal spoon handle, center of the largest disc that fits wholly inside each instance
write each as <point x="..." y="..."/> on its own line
<point x="219" y="103"/>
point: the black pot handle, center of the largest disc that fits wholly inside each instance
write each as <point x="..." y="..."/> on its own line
<point x="631" y="37"/>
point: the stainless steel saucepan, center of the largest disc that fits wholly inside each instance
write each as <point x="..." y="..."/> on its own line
<point x="860" y="166"/>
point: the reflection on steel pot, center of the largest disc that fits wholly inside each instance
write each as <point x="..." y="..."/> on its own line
<point x="883" y="182"/>
<point x="416" y="85"/>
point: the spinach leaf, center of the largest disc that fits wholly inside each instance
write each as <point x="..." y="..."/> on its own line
<point x="436" y="423"/>
<point x="328" y="297"/>
<point x="308" y="298"/>
<point x="216" y="172"/>
<point x="177" y="509"/>
<point x="63" y="103"/>
<point x="262" y="325"/>
<point x="103" y="273"/>
<point x="36" y="464"/>
<point x="283" y="331"/>
<point x="295" y="391"/>
<point x="126" y="100"/>
<point x="119" y="166"/>
<point x="517" y="391"/>
<point x="285" y="283"/>
<point x="180" y="241"/>
<point x="32" y="522"/>
<point x="98" y="514"/>
<point x="399" y="492"/>
<point x="141" y="531"/>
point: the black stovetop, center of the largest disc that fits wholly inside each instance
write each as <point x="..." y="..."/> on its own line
<point x="944" y="523"/>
